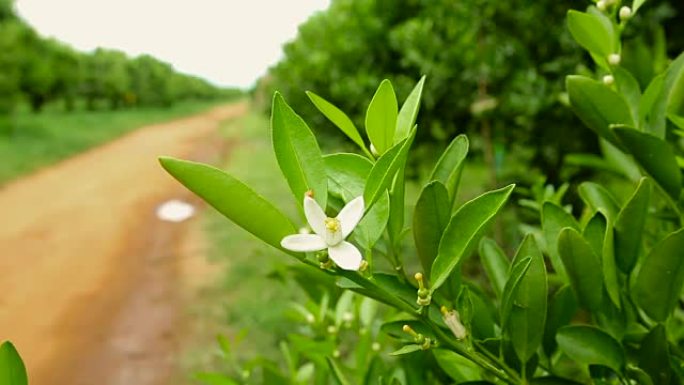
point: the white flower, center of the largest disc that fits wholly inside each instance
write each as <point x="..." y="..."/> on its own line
<point x="330" y="233"/>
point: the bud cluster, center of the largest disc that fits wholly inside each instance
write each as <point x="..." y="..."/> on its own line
<point x="424" y="297"/>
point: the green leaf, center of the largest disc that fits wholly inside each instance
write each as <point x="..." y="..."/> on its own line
<point x="235" y="200"/>
<point x="297" y="153"/>
<point x="495" y="263"/>
<point x="337" y="374"/>
<point x="554" y="219"/>
<point x="599" y="234"/>
<point x="674" y="83"/>
<point x="561" y="310"/>
<point x="629" y="227"/>
<point x="659" y="281"/>
<point x="347" y="175"/>
<point x="655" y="156"/>
<point x="528" y="311"/>
<point x="649" y="106"/>
<point x="383" y="172"/>
<point x="395" y="226"/>
<point x="12" y="369"/>
<point x="406" y="349"/>
<point x="459" y="368"/>
<point x="598" y="106"/>
<point x="654" y="355"/>
<point x="450" y="165"/>
<point x="591" y="346"/>
<point x="517" y="273"/>
<point x="637" y="4"/>
<point x="338" y="118"/>
<point x="409" y="112"/>
<point x="583" y="267"/>
<point x="599" y="199"/>
<point x="591" y="33"/>
<point x="381" y="117"/>
<point x="464" y="231"/>
<point x="629" y="88"/>
<point x="430" y="218"/>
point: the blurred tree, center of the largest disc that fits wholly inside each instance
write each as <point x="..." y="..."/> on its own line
<point x="494" y="69"/>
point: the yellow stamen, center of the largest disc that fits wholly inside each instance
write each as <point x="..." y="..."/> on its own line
<point x="332" y="224"/>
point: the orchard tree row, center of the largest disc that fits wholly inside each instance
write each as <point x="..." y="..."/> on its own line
<point x="38" y="71"/>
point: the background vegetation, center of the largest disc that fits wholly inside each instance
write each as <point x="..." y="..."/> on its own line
<point x="495" y="71"/>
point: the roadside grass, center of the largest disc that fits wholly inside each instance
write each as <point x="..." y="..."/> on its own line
<point x="38" y="140"/>
<point x="245" y="300"/>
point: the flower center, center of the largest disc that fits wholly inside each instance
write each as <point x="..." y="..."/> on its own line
<point x="333" y="233"/>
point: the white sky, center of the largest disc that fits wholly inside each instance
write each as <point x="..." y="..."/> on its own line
<point x="228" y="42"/>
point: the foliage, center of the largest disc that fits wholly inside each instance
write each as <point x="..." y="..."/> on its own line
<point x="496" y="71"/>
<point x="41" y="71"/>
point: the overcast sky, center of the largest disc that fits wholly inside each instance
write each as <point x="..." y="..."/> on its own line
<point x="228" y="42"/>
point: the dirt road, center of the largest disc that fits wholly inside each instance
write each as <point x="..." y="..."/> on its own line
<point x="88" y="275"/>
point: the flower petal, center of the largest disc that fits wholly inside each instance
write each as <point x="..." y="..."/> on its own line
<point x="303" y="242"/>
<point x="350" y="215"/>
<point x="346" y="256"/>
<point x="314" y="215"/>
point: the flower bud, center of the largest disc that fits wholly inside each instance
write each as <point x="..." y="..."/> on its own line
<point x="608" y="80"/>
<point x="374" y="151"/>
<point x="332" y="329"/>
<point x="424" y="296"/>
<point x="376" y="346"/>
<point x="601" y="5"/>
<point x="625" y="13"/>
<point x="310" y="318"/>
<point x="451" y="318"/>
<point x="614" y="59"/>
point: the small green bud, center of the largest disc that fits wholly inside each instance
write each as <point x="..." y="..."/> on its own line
<point x="601" y="5"/>
<point x="625" y="13"/>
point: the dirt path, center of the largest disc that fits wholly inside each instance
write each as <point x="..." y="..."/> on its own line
<point x="87" y="273"/>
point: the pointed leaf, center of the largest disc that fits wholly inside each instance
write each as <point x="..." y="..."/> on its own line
<point x="383" y="172"/>
<point x="235" y="200"/>
<point x="583" y="267"/>
<point x="12" y="369"/>
<point x="598" y="198"/>
<point x="629" y="227"/>
<point x="554" y="219"/>
<point x="297" y="153"/>
<point x="338" y="118"/>
<point x="381" y="117"/>
<point x="528" y="312"/>
<point x="450" y="164"/>
<point x="517" y="273"/>
<point x="629" y="88"/>
<point x="409" y="112"/>
<point x="598" y="106"/>
<point x="495" y="263"/>
<point x="655" y="156"/>
<point x="430" y="218"/>
<point x="464" y="231"/>
<point x="588" y="345"/>
<point x="406" y="349"/>
<point x="659" y="282"/>
<point x="591" y="33"/>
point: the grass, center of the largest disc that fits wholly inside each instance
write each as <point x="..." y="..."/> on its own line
<point x="38" y="140"/>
